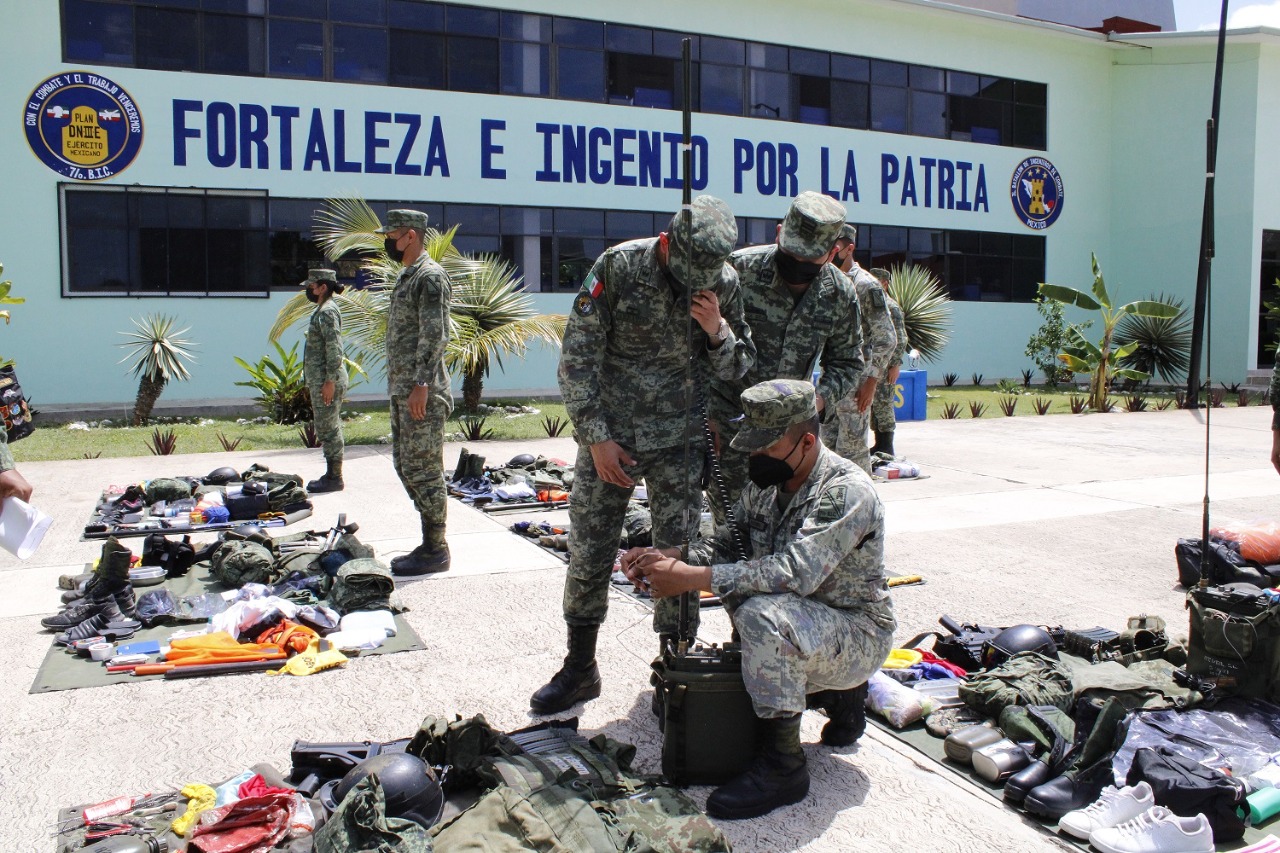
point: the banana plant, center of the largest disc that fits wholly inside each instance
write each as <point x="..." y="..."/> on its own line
<point x="1100" y="361"/>
<point x="6" y="299"/>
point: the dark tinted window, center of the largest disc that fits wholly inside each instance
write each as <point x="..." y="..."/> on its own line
<point x="526" y="68"/>
<point x="473" y="64"/>
<point x="580" y="74"/>
<point x="888" y="109"/>
<point x="299" y="8"/>
<point x="576" y="33"/>
<point x="168" y="41"/>
<point x="474" y="22"/>
<point x="360" y="54"/>
<point x="418" y="59"/>
<point x="721" y="88"/>
<point x="297" y="48"/>
<point x="234" y="45"/>
<point x="358" y="11"/>
<point x="849" y="103"/>
<point x="410" y="15"/>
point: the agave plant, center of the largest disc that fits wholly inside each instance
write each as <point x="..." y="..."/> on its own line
<point x="1163" y="343"/>
<point x="926" y="308"/>
<point x="491" y="314"/>
<point x="157" y="354"/>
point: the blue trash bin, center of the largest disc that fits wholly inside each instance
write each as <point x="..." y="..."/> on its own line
<point x="909" y="403"/>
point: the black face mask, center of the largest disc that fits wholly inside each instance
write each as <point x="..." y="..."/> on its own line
<point x="794" y="270"/>
<point x="766" y="471"/>
<point x="389" y="246"/>
<point x="312" y="296"/>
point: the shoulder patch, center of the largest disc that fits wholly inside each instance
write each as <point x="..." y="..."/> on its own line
<point x="584" y="305"/>
<point x="831" y="505"/>
<point x="877" y="297"/>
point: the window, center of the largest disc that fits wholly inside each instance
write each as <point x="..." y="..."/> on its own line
<point x="455" y="47"/>
<point x="1268" y="292"/>
<point x="147" y="241"/>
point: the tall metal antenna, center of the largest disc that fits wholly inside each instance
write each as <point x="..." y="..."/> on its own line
<point x="693" y="497"/>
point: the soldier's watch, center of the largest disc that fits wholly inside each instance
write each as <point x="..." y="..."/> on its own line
<point x="422" y="384"/>
<point x="721" y="334"/>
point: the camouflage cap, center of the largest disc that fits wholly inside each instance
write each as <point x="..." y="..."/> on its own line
<point x="714" y="235"/>
<point x="848" y="232"/>
<point x="404" y="219"/>
<point x="811" y="226"/>
<point x="770" y="407"/>
<point x="882" y="275"/>
<point x="328" y="276"/>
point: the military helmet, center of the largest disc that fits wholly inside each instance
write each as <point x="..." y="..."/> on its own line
<point x="521" y="460"/>
<point x="408" y="783"/>
<point x="1019" y="638"/>
<point x="221" y="476"/>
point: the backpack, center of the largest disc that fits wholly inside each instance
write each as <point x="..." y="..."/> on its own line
<point x="175" y="555"/>
<point x="1235" y="640"/>
<point x="1187" y="788"/>
<point x="237" y="562"/>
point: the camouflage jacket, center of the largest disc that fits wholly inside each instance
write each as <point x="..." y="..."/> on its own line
<point x="417" y="329"/>
<point x="827" y="544"/>
<point x="1274" y="393"/>
<point x="625" y="350"/>
<point x="878" y="337"/>
<point x="899" y="329"/>
<point x="322" y="354"/>
<point x="793" y="338"/>
<point x="6" y="455"/>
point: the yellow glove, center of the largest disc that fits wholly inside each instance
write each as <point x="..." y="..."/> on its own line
<point x="200" y="798"/>
<point x="902" y="658"/>
<point x="311" y="661"/>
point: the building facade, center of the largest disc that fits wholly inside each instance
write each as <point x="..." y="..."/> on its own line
<point x="170" y="155"/>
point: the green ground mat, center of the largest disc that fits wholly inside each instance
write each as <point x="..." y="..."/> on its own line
<point x="65" y="670"/>
<point x="918" y="738"/>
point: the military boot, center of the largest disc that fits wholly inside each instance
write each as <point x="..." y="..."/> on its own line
<point x="577" y="681"/>
<point x="428" y="558"/>
<point x="460" y="470"/>
<point x="475" y="467"/>
<point x="884" y="442"/>
<point x="777" y="777"/>
<point x="846" y="712"/>
<point x="331" y="481"/>
<point x="108" y="578"/>
<point x="1088" y="765"/>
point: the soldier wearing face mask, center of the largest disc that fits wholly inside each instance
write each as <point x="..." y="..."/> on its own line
<point x="846" y="433"/>
<point x="810" y="603"/>
<point x="798" y="307"/>
<point x="325" y="373"/>
<point x="622" y="372"/>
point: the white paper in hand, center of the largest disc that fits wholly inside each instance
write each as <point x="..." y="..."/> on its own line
<point x="22" y="527"/>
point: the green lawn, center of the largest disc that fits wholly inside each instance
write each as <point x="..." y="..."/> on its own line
<point x="366" y="425"/>
<point x="371" y="425"/>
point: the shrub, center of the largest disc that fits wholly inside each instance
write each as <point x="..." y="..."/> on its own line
<point x="951" y="411"/>
<point x="473" y="429"/>
<point x="162" y="442"/>
<point x="229" y="444"/>
<point x="554" y="426"/>
<point x="1135" y="403"/>
<point x="977" y="379"/>
<point x="1243" y="398"/>
<point x="1161" y="405"/>
<point x="307" y="434"/>
<point x="976" y="409"/>
<point x="949" y="379"/>
<point x="1042" y="405"/>
<point x="1078" y="404"/>
<point x="1008" y="405"/>
<point x="1026" y="377"/>
<point x="282" y="392"/>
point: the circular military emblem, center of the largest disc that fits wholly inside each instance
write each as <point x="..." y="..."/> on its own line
<point x="1036" y="192"/>
<point x="83" y="126"/>
<point x="584" y="304"/>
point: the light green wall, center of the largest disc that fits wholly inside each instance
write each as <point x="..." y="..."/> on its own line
<point x="1123" y="131"/>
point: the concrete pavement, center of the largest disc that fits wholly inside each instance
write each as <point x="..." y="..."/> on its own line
<point x="1061" y="519"/>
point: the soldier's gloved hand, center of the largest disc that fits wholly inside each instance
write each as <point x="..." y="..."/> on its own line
<point x="609" y="457"/>
<point x="418" y="402"/>
<point x="706" y="310"/>
<point x="326" y="392"/>
<point x="866" y="393"/>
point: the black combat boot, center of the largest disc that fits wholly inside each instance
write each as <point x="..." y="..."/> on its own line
<point x="332" y="479"/>
<point x="109" y="577"/>
<point x="430" y="557"/>
<point x="884" y="440"/>
<point x="1088" y="764"/>
<point x="846" y="712"/>
<point x="577" y="681"/>
<point x="460" y="470"/>
<point x="778" y="776"/>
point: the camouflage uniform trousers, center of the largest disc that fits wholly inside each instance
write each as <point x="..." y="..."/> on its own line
<point x="596" y="511"/>
<point x="846" y="433"/>
<point x="328" y="420"/>
<point x="882" y="417"/>
<point x="793" y="646"/>
<point x="417" y="454"/>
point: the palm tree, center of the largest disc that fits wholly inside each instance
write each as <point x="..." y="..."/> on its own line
<point x="156" y="355"/>
<point x="926" y="308"/>
<point x="491" y="315"/>
<point x="1164" y="343"/>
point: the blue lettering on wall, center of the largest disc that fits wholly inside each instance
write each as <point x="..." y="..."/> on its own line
<point x="220" y="141"/>
<point x="181" y="133"/>
<point x="437" y="158"/>
<point x="253" y="137"/>
<point x="374" y="143"/>
<point x="889" y="170"/>
<point x="489" y="148"/>
<point x="317" y="145"/>
<point x="286" y="116"/>
<point x="413" y="122"/>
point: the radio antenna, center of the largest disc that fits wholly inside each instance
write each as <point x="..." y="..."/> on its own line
<point x="693" y="497"/>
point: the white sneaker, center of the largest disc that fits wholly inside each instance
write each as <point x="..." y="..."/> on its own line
<point x="1157" y="830"/>
<point x="1112" y="808"/>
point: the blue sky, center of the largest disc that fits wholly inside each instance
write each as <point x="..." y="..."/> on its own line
<point x="1201" y="14"/>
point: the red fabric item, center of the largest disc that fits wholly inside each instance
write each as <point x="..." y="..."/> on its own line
<point x="249" y="826"/>
<point x="930" y="657"/>
<point x="258" y="787"/>
<point x="553" y="495"/>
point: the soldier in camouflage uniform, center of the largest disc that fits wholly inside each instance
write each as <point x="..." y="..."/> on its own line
<point x="421" y="397"/>
<point x="11" y="482"/>
<point x="883" y="422"/>
<point x="811" y="602"/>
<point x="325" y="374"/>
<point x="1274" y="394"/>
<point x="798" y="307"/>
<point x="622" y="373"/>
<point x="846" y="434"/>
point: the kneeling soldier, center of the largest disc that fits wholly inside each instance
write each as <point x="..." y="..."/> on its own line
<point x="811" y="603"/>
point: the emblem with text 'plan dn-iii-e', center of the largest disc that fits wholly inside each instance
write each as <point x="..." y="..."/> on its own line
<point x="83" y="126"/>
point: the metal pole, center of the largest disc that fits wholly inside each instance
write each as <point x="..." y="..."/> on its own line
<point x="693" y="499"/>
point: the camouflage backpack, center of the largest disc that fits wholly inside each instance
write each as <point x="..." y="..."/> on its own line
<point x="237" y="562"/>
<point x="167" y="489"/>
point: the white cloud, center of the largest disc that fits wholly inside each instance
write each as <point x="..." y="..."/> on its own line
<point x="1255" y="15"/>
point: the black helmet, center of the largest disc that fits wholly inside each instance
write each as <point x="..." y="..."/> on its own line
<point x="221" y="476"/>
<point x="1019" y="638"/>
<point x="408" y="782"/>
<point x="522" y="461"/>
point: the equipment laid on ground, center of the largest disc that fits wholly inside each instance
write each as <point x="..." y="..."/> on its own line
<point x="1235" y="639"/>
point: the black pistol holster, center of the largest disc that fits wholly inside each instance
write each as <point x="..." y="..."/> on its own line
<point x="708" y="723"/>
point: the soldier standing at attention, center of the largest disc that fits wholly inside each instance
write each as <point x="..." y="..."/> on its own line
<point x="810" y="602"/>
<point x="883" y="422"/>
<point x="798" y="307"/>
<point x="421" y="398"/>
<point x="325" y="374"/>
<point x="1273" y="393"/>
<point x="622" y="375"/>
<point x="846" y="434"/>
